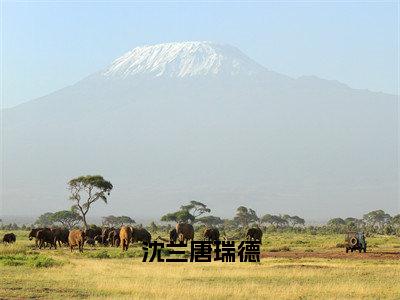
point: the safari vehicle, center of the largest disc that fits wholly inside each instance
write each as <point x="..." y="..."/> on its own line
<point x="356" y="241"/>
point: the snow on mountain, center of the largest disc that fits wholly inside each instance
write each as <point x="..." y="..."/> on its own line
<point x="182" y="60"/>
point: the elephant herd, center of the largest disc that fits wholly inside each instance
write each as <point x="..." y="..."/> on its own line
<point x="123" y="236"/>
<point x="53" y="236"/>
<point x="117" y="236"/>
<point x="77" y="237"/>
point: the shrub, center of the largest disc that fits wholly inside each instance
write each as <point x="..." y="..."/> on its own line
<point x="100" y="255"/>
<point x="36" y="261"/>
<point x="42" y="261"/>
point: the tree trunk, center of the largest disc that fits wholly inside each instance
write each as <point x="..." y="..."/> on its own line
<point x="84" y="221"/>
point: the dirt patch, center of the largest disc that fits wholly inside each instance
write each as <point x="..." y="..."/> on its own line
<point x="334" y="255"/>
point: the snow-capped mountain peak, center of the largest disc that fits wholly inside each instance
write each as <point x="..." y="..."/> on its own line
<point x="183" y="59"/>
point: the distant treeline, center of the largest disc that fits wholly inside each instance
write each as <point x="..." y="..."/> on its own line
<point x="374" y="222"/>
<point x="85" y="191"/>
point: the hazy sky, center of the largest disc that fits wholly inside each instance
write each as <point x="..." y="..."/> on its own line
<point x="46" y="46"/>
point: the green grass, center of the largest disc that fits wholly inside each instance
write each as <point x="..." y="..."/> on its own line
<point x="34" y="260"/>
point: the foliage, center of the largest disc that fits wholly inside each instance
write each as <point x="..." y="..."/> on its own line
<point x="153" y="226"/>
<point x="210" y="221"/>
<point x="179" y="216"/>
<point x="100" y="255"/>
<point x="67" y="218"/>
<point x="35" y="260"/>
<point x="113" y="221"/>
<point x="396" y="220"/>
<point x="196" y="208"/>
<point x="244" y="216"/>
<point x="294" y="220"/>
<point x="275" y="220"/>
<point x="45" y="220"/>
<point x="187" y="213"/>
<point x="86" y="190"/>
<point x="336" y="222"/>
<point x="377" y="219"/>
<point x="11" y="226"/>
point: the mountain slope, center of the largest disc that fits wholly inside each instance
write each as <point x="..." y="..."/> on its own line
<point x="175" y="122"/>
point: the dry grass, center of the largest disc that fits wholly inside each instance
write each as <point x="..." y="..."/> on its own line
<point x="80" y="276"/>
<point x="273" y="278"/>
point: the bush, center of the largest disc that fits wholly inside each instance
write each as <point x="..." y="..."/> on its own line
<point x="11" y="260"/>
<point x="100" y="255"/>
<point x="36" y="261"/>
<point x="42" y="261"/>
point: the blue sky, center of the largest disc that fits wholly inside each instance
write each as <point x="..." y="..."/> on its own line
<point x="49" y="45"/>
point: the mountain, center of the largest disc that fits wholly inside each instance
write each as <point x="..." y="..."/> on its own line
<point x="183" y="60"/>
<point x="174" y="122"/>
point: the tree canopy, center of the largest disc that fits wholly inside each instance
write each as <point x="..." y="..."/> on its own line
<point x="210" y="221"/>
<point x="396" y="220"/>
<point x="86" y="190"/>
<point x="336" y="222"/>
<point x="45" y="220"/>
<point x="178" y="216"/>
<point x="187" y="213"/>
<point x="114" y="221"/>
<point x="244" y="216"/>
<point x="294" y="220"/>
<point x="377" y="218"/>
<point x="196" y="208"/>
<point x="67" y="218"/>
<point x="275" y="220"/>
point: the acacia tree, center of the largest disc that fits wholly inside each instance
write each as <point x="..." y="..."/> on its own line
<point x="67" y="218"/>
<point x="179" y="216"/>
<point x="244" y="216"/>
<point x="45" y="220"/>
<point x="336" y="222"/>
<point x="278" y="221"/>
<point x="294" y="220"/>
<point x="86" y="190"/>
<point x="354" y="224"/>
<point x="196" y="208"/>
<point x="377" y="218"/>
<point x="210" y="221"/>
<point x="187" y="213"/>
<point x="112" y="221"/>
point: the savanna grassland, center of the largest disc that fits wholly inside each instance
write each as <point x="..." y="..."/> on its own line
<point x="293" y="266"/>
